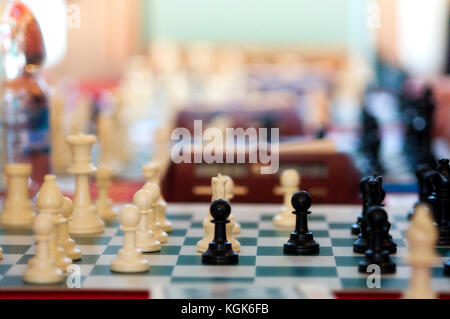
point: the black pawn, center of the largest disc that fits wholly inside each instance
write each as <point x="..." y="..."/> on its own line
<point x="219" y="250"/>
<point x="376" y="254"/>
<point x="301" y="241"/>
<point x="356" y="228"/>
<point x="447" y="268"/>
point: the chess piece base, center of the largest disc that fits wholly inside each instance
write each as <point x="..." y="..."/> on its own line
<point x="382" y="260"/>
<point x="133" y="263"/>
<point x="146" y="242"/>
<point x="360" y="246"/>
<point x="86" y="223"/>
<point x="166" y="225"/>
<point x="63" y="262"/>
<point x="71" y="250"/>
<point x="203" y="244"/>
<point x="20" y="221"/>
<point x="220" y="257"/>
<point x="42" y="275"/>
<point x="301" y="244"/>
<point x="161" y="236"/>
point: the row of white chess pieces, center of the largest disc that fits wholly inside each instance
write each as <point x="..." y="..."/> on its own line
<point x="55" y="250"/>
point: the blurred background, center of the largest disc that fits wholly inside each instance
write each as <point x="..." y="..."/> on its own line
<point x="370" y="75"/>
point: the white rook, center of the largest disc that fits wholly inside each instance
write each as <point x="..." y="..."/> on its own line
<point x="85" y="220"/>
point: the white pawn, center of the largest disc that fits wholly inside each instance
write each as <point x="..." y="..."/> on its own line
<point x="152" y="174"/>
<point x="104" y="203"/>
<point x="50" y="202"/>
<point x="229" y="195"/>
<point x="218" y="189"/>
<point x="155" y="225"/>
<point x="41" y="268"/>
<point x="145" y="239"/>
<point x="17" y="209"/>
<point x="67" y="243"/>
<point x="129" y="258"/>
<point x="290" y="183"/>
<point x="422" y="237"/>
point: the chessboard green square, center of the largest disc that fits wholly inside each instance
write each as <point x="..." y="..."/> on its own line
<point x="178" y="217"/>
<point x="438" y="272"/>
<point x="196" y="225"/>
<point x="15" y="249"/>
<point x="191" y="241"/>
<point x="385" y="283"/>
<point x="17" y="281"/>
<point x="169" y="250"/>
<point x="340" y="226"/>
<point x="212" y="279"/>
<point x="348" y="261"/>
<point x="266" y="218"/>
<point x="112" y="250"/>
<point x="87" y="260"/>
<point x="178" y="232"/>
<point x="342" y="242"/>
<point x="247" y="241"/>
<point x="249" y="225"/>
<point x="269" y="271"/>
<point x="24" y="259"/>
<point x="4" y="269"/>
<point x="16" y="232"/>
<point x="348" y="242"/>
<point x="278" y="251"/>
<point x="90" y="241"/>
<point x="443" y="251"/>
<point x="353" y="261"/>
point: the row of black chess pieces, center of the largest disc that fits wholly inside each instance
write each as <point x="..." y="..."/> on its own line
<point x="372" y="228"/>
<point x="374" y="239"/>
<point x="434" y="190"/>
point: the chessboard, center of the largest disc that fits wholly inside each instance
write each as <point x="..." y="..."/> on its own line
<point x="263" y="270"/>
